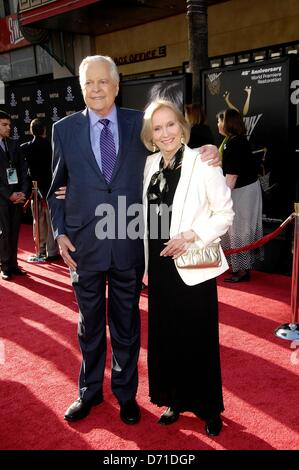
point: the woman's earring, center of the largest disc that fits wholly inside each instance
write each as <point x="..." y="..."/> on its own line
<point x="182" y="140"/>
<point x="154" y="148"/>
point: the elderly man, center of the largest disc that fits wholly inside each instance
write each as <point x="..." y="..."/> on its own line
<point x="98" y="155"/>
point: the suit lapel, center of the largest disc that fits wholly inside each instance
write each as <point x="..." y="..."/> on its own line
<point x="149" y="171"/>
<point x="82" y="136"/>
<point x="10" y="155"/>
<point x="125" y="132"/>
<point x="2" y="153"/>
<point x="3" y="158"/>
<point x="182" y="190"/>
<point x="151" y="166"/>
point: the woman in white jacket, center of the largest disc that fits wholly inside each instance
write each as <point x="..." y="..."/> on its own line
<point x="186" y="202"/>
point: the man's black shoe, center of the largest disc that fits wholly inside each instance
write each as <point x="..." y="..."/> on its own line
<point x="213" y="426"/>
<point x="81" y="408"/>
<point x="5" y="276"/>
<point x="53" y="258"/>
<point x="16" y="271"/>
<point x="169" y="416"/>
<point x="130" y="412"/>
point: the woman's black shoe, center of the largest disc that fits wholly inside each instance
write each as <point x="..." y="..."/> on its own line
<point x="169" y="417"/>
<point x="213" y="426"/>
<point x="130" y="412"/>
<point x="238" y="277"/>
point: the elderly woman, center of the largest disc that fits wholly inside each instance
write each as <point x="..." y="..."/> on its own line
<point x="186" y="202"/>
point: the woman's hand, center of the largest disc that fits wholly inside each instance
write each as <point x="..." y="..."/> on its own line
<point x="179" y="244"/>
<point x="60" y="193"/>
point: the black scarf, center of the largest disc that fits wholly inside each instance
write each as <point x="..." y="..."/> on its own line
<point x="158" y="186"/>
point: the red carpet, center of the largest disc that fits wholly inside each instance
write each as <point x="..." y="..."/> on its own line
<point x="39" y="364"/>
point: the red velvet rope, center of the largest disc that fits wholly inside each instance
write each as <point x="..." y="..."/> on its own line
<point x="262" y="241"/>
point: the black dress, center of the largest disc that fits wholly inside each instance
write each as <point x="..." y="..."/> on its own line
<point x="183" y="343"/>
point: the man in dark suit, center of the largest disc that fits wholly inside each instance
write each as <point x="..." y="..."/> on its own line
<point x="99" y="156"/>
<point x="38" y="154"/>
<point x="79" y="161"/>
<point x="14" y="186"/>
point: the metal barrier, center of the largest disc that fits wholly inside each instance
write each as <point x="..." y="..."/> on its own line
<point x="290" y="330"/>
<point x="37" y="258"/>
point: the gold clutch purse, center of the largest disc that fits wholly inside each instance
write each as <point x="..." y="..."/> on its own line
<point x="195" y="258"/>
<point x="199" y="257"/>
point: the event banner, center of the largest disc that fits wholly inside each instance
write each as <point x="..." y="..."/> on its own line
<point x="137" y="94"/>
<point x="49" y="101"/>
<point x="260" y="91"/>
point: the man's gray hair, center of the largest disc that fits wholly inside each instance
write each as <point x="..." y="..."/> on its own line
<point x="99" y="58"/>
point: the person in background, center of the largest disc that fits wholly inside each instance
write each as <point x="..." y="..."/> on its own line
<point x="38" y="154"/>
<point x="240" y="172"/>
<point x="200" y="132"/>
<point x="99" y="154"/>
<point x="14" y="187"/>
<point x="185" y="202"/>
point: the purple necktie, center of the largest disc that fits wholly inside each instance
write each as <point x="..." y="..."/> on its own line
<point x="108" y="152"/>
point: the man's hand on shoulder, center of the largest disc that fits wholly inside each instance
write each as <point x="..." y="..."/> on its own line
<point x="209" y="153"/>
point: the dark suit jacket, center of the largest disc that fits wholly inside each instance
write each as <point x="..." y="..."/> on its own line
<point x="19" y="163"/>
<point x="38" y="154"/>
<point x="74" y="165"/>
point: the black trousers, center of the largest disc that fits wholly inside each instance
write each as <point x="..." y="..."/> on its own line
<point x="124" y="289"/>
<point x="10" y="222"/>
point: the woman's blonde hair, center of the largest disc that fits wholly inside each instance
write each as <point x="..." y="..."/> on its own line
<point x="147" y="131"/>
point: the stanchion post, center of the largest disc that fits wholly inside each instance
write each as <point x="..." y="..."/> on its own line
<point x="36" y="217"/>
<point x="290" y="331"/>
<point x="37" y="258"/>
<point x="295" y="272"/>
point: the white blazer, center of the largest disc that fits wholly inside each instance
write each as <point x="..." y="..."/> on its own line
<point x="202" y="202"/>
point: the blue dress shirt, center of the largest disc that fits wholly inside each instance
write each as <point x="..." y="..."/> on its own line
<point x="95" y="131"/>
